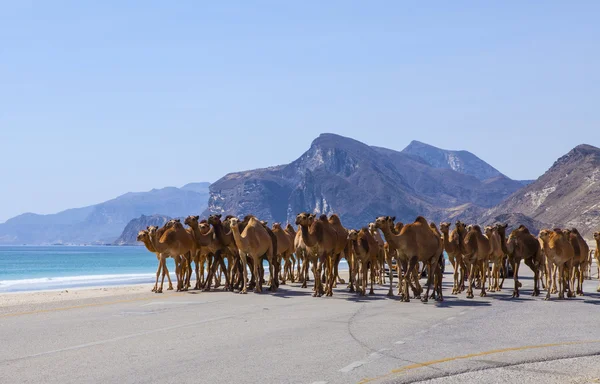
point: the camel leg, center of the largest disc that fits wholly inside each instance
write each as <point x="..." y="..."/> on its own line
<point x="561" y="289"/>
<point x="570" y="285"/>
<point x="337" y="264"/>
<point x="516" y="265"/>
<point x="484" y="266"/>
<point x="454" y="274"/>
<point x="317" y="277"/>
<point x="244" y="261"/>
<point x="470" y="283"/>
<point x="158" y="270"/>
<point x="550" y="272"/>
<point x="503" y="271"/>
<point x="429" y="267"/>
<point x="303" y="272"/>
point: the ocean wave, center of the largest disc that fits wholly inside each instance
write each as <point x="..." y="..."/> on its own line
<point x="50" y="283"/>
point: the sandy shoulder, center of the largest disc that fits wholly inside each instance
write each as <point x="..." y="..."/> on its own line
<point x="59" y="296"/>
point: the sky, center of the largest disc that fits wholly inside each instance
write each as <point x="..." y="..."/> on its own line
<point x="101" y="98"/>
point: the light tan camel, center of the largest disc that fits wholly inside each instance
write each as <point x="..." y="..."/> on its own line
<point x="144" y="237"/>
<point x="320" y="240"/>
<point x="302" y="253"/>
<point x="477" y="251"/>
<point x="581" y="252"/>
<point x="522" y="245"/>
<point x="559" y="252"/>
<point x="206" y="244"/>
<point x="415" y="243"/>
<point x="453" y="247"/>
<point x="365" y="250"/>
<point x="291" y="232"/>
<point x="285" y="248"/>
<point x="253" y="242"/>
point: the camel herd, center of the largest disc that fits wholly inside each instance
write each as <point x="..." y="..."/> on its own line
<point x="560" y="259"/>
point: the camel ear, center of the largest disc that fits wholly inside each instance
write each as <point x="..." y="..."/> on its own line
<point x="219" y="215"/>
<point x="393" y="218"/>
<point x="388" y="218"/>
<point x="197" y="217"/>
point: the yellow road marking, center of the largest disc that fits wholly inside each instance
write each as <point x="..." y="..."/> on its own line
<point x="471" y="355"/>
<point x="75" y="307"/>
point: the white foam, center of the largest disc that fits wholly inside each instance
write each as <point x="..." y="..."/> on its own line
<point x="48" y="283"/>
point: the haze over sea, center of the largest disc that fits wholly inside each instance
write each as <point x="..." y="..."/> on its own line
<point x="32" y="268"/>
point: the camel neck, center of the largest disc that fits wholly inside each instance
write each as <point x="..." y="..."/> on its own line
<point x="390" y="237"/>
<point x="220" y="233"/>
<point x="447" y="244"/>
<point x="306" y="236"/>
<point x="235" y="231"/>
<point x="148" y="244"/>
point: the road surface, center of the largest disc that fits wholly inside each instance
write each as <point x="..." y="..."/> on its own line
<point x="291" y="337"/>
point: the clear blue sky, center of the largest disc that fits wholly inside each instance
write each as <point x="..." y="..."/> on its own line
<point x="101" y="98"/>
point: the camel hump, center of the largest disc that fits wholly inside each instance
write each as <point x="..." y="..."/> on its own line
<point x="335" y="219"/>
<point x="168" y="237"/>
<point x="575" y="231"/>
<point x="323" y="218"/>
<point x="421" y="219"/>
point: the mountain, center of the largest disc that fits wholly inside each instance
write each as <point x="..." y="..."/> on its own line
<point x="459" y="161"/>
<point x="567" y="195"/>
<point x="359" y="182"/>
<point x="103" y="223"/>
<point x="129" y="235"/>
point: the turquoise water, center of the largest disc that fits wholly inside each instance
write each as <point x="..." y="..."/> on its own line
<point x="31" y="268"/>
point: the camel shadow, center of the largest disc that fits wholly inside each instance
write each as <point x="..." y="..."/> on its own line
<point x="460" y="302"/>
<point x="289" y="293"/>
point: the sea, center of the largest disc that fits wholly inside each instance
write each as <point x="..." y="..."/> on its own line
<point x="37" y="268"/>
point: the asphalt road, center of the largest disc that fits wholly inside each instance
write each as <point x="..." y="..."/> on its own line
<point x="291" y="337"/>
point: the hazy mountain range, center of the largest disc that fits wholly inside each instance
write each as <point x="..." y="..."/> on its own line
<point x="358" y="182"/>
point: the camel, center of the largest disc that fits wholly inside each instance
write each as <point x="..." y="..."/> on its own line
<point x="597" y="256"/>
<point x="253" y="242"/>
<point x="453" y="245"/>
<point x="291" y="232"/>
<point x="320" y="240"/>
<point x="497" y="254"/>
<point x="391" y="235"/>
<point x="341" y="248"/>
<point x="144" y="237"/>
<point x="206" y="244"/>
<point x="580" y="259"/>
<point x="227" y="249"/>
<point x="522" y="245"/>
<point x="302" y="253"/>
<point x="174" y="241"/>
<point x="559" y="252"/>
<point x="366" y="250"/>
<point x="476" y="254"/>
<point x="285" y="248"/>
<point x="380" y="266"/>
<point x="415" y="243"/>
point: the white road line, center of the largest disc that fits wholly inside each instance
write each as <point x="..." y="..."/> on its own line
<point x="384" y="349"/>
<point x="319" y="382"/>
<point x="352" y="366"/>
<point x="420" y="332"/>
<point x="118" y="338"/>
<point x="463" y="312"/>
<point x="175" y="303"/>
<point x="400" y="342"/>
<point x="436" y="325"/>
<point x="450" y="318"/>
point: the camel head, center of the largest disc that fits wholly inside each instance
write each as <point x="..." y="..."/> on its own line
<point x="596" y="235"/>
<point x="304" y="219"/>
<point x="289" y="227"/>
<point x="192" y="220"/>
<point x="352" y="234"/>
<point x="488" y="230"/>
<point x="234" y="222"/>
<point x="460" y="226"/>
<point x="501" y="228"/>
<point x="276" y="226"/>
<point x="372" y="227"/>
<point x="264" y="222"/>
<point x="445" y="227"/>
<point x="172" y="223"/>
<point x="204" y="227"/>
<point x="142" y="235"/>
<point x="214" y="219"/>
<point x="545" y="234"/>
<point x="384" y="222"/>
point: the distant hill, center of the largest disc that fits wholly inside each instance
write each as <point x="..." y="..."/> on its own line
<point x="103" y="223"/>
<point x="358" y="182"/>
<point x="567" y="195"/>
<point x="129" y="235"/>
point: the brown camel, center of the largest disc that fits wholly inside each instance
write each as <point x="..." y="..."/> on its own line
<point x="476" y="254"/>
<point x="227" y="249"/>
<point x="285" y="248"/>
<point x="522" y="245"/>
<point x="496" y="257"/>
<point x="597" y="256"/>
<point x="174" y="241"/>
<point x="581" y="252"/>
<point x="415" y="243"/>
<point x="341" y="247"/>
<point x="144" y="237"/>
<point x="559" y="252"/>
<point x="393" y="244"/>
<point x="253" y="242"/>
<point x="289" y="229"/>
<point x="381" y="257"/>
<point x="206" y="244"/>
<point x="302" y="253"/>
<point x="320" y="240"/>
<point x="453" y="245"/>
<point x="365" y="251"/>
